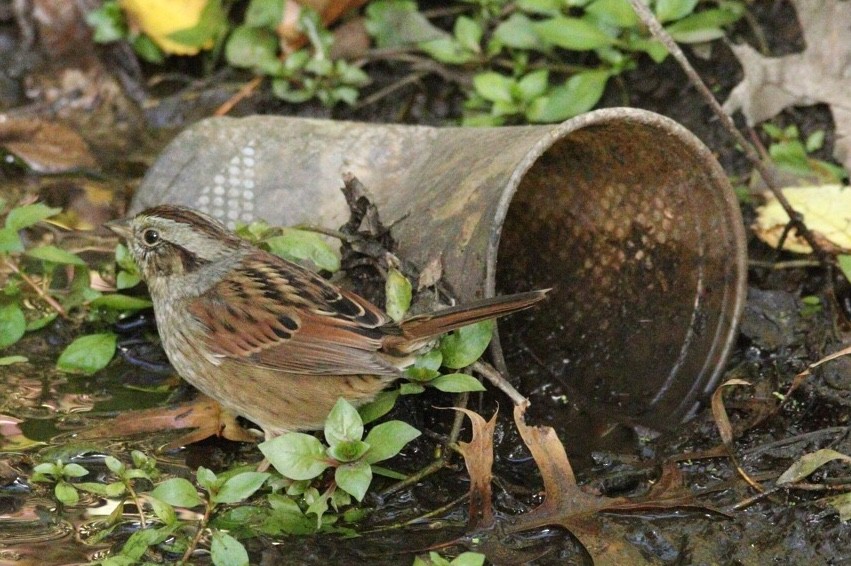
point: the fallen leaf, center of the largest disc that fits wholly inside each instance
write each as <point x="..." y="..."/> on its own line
<point x="820" y="74"/>
<point x="809" y="463"/>
<point x="159" y="19"/>
<point x="478" y="457"/>
<point x="827" y="213"/>
<point x="719" y="412"/>
<point x="46" y="147"/>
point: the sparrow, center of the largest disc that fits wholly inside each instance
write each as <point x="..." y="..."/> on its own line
<point x="268" y="339"/>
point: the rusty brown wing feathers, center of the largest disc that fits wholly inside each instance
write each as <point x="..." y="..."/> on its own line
<point x="306" y="326"/>
<point x="309" y="326"/>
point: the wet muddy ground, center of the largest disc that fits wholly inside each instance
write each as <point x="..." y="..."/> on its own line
<point x="43" y="409"/>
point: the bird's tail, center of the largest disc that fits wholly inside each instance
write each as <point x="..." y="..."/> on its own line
<point x="418" y="329"/>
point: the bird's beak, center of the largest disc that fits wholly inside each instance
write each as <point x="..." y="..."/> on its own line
<point x="121" y="227"/>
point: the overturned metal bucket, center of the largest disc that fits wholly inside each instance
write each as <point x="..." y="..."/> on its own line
<point x="623" y="212"/>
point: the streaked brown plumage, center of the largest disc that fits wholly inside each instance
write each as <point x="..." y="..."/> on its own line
<point x="266" y="338"/>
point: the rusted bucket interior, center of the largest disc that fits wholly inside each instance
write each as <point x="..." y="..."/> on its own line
<point x="639" y="237"/>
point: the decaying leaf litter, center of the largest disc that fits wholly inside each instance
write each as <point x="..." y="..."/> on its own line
<point x="802" y="416"/>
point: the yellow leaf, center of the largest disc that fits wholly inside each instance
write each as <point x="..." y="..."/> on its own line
<point x="160" y="18"/>
<point x="827" y="213"/>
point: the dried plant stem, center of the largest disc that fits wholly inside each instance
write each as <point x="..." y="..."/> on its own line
<point x="497" y="380"/>
<point x="244" y="92"/>
<point x="60" y="310"/>
<point x="795" y="218"/>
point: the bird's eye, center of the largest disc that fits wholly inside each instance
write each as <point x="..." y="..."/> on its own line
<point x="151" y="237"/>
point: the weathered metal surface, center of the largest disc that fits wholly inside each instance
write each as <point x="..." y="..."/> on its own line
<point x="625" y="213"/>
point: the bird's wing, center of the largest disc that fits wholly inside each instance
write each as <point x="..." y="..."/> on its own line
<point x="273" y="313"/>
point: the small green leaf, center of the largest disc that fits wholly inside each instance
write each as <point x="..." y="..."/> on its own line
<point x="114" y="465"/>
<point x="546" y="7"/>
<point x="251" y="48"/>
<point x="446" y="50"/>
<point x="126" y="280"/>
<point x="29" y="215"/>
<point x="354" y="478"/>
<point x="844" y="262"/>
<point x="296" y="455"/>
<point x="162" y="510"/>
<point x="379" y="471"/>
<point x="398" y="292"/>
<point x="138" y="543"/>
<point x="178" y="492"/>
<point x="298" y="245"/>
<point x="55" y="255"/>
<point x="240" y="487"/>
<point x="572" y="33"/>
<point x="227" y="551"/>
<point x="387" y="439"/>
<point x="148" y="50"/>
<point x="493" y="86"/>
<point x="457" y="383"/>
<point x="12" y="324"/>
<point x="119" y="302"/>
<point x="378" y="407"/>
<point x="815" y="141"/>
<point x="74" y="471"/>
<point x="411" y="389"/>
<point x="617" y="13"/>
<point x="206" y="478"/>
<point x="670" y="10"/>
<point x="703" y="26"/>
<point x="468" y="32"/>
<point x="41" y="322"/>
<point x="264" y="13"/>
<point x="517" y="32"/>
<point x="87" y="354"/>
<point x="342" y="424"/>
<point x="468" y="559"/>
<point x="108" y="23"/>
<point x="10" y="241"/>
<point x="9" y="360"/>
<point x="394" y="23"/>
<point x="578" y="94"/>
<point x="466" y="345"/>
<point x="348" y="450"/>
<point x="533" y="85"/>
<point x="421" y="375"/>
<point x="430" y="360"/>
<point x="66" y="493"/>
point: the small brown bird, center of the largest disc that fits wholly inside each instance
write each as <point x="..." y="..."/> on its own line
<point x="266" y="338"/>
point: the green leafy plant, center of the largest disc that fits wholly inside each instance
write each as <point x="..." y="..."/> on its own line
<point x="300" y="456"/>
<point x="44" y="282"/>
<point x="790" y="153"/>
<point x="60" y="474"/>
<point x="307" y="73"/>
<point x="463" y="559"/>
<point x="543" y="60"/>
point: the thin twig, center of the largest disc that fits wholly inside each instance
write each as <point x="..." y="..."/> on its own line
<point x="60" y="310"/>
<point x="491" y="374"/>
<point x="390" y="89"/>
<point x="202" y="526"/>
<point x="795" y="218"/>
<point x="244" y="92"/>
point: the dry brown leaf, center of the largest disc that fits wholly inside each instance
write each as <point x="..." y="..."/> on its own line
<point x="46" y="147"/>
<point x="719" y="412"/>
<point x="478" y="456"/>
<point x="820" y="74"/>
